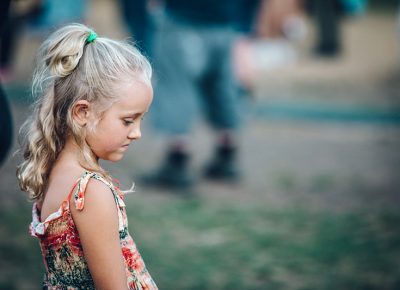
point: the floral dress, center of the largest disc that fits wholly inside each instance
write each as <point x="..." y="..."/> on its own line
<point x="64" y="260"/>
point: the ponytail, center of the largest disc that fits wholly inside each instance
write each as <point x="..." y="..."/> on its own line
<point x="40" y="150"/>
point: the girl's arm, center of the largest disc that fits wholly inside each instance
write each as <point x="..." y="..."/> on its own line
<point x="97" y="225"/>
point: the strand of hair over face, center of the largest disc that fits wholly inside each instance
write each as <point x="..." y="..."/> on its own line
<point x="69" y="69"/>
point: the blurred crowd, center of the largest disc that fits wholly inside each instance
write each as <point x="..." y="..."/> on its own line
<point x="204" y="52"/>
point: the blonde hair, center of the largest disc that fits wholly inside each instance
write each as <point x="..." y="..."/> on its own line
<point x="70" y="69"/>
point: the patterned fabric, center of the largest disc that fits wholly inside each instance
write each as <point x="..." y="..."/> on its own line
<point x="62" y="252"/>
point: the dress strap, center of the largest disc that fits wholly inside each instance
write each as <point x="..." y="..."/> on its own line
<point x="79" y="190"/>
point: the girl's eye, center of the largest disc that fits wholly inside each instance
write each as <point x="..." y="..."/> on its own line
<point x="128" y="122"/>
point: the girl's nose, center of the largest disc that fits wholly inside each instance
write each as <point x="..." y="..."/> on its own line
<point x="135" y="133"/>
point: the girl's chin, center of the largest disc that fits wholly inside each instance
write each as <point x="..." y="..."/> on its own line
<point x="116" y="158"/>
<point x="113" y="158"/>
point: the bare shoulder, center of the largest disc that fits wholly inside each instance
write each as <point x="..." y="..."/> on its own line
<point x="99" y="206"/>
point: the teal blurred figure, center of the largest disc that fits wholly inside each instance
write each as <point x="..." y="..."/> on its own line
<point x="55" y="13"/>
<point x="139" y="22"/>
<point x="193" y="66"/>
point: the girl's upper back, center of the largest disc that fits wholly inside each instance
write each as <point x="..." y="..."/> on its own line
<point x="62" y="250"/>
<point x="59" y="187"/>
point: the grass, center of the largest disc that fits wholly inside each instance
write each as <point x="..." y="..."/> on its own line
<point x="196" y="244"/>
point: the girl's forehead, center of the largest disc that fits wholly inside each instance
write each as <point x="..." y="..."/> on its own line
<point x="135" y="96"/>
<point x="127" y="86"/>
<point x="129" y="80"/>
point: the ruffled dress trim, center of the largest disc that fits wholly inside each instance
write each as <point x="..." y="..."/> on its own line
<point x="38" y="228"/>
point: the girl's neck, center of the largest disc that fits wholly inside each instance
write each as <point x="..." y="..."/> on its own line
<point x="70" y="156"/>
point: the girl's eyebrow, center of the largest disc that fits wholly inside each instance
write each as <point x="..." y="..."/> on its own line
<point x="134" y="114"/>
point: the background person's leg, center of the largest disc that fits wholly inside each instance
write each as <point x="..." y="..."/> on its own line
<point x="221" y="105"/>
<point x="176" y="62"/>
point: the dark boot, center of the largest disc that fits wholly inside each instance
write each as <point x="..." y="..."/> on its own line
<point x="223" y="166"/>
<point x="173" y="173"/>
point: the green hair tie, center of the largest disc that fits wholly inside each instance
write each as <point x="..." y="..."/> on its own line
<point x="92" y="36"/>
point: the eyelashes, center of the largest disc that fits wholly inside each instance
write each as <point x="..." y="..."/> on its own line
<point x="128" y="122"/>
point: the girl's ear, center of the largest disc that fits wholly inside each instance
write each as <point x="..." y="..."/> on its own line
<point x="81" y="112"/>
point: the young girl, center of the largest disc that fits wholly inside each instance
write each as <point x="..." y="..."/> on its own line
<point x="92" y="93"/>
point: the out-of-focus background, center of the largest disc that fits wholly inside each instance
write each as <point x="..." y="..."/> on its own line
<point x="317" y="206"/>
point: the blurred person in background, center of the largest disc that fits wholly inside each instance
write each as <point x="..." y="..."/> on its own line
<point x="5" y="113"/>
<point x="137" y="17"/>
<point x="281" y="18"/>
<point x="327" y="19"/>
<point x="192" y="60"/>
<point x="19" y="13"/>
<point x="6" y="126"/>
<point x="278" y="28"/>
<point x="55" y="13"/>
<point x="328" y="15"/>
<point x="39" y="17"/>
